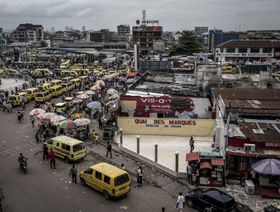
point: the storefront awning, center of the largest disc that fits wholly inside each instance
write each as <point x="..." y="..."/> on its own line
<point x="205" y="165"/>
<point x="217" y="162"/>
<point x="192" y="156"/>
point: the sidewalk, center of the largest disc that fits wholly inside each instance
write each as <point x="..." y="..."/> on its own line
<point x="151" y="174"/>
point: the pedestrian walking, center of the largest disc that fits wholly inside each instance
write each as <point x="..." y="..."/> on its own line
<point x="140" y="176"/>
<point x="52" y="159"/>
<point x="45" y="152"/>
<point x="191" y="144"/>
<point x="180" y="202"/>
<point x="73" y="173"/>
<point x="37" y="136"/>
<point x="32" y="121"/>
<point x="163" y="209"/>
<point x="122" y="166"/>
<point x="189" y="173"/>
<point x="109" y="150"/>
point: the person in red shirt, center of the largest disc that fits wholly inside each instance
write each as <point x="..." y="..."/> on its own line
<point x="52" y="159"/>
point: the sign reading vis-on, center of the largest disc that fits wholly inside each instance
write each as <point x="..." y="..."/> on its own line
<point x="177" y="127"/>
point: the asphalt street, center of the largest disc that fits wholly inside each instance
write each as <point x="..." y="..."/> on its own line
<point x="45" y="189"/>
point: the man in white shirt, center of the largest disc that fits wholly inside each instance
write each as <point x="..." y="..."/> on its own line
<point x="180" y="202"/>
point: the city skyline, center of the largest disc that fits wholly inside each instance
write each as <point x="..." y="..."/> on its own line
<point x="173" y="15"/>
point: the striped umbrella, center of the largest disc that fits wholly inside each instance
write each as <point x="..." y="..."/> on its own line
<point x="36" y="112"/>
<point x="82" y="122"/>
<point x="83" y="96"/>
<point x="89" y="92"/>
<point x="67" y="124"/>
<point x="46" y="116"/>
<point x="56" y="119"/>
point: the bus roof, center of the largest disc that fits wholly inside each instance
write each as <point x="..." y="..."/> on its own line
<point x="66" y="140"/>
<point x="108" y="169"/>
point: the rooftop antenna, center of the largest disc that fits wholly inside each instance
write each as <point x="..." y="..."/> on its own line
<point x="144" y="16"/>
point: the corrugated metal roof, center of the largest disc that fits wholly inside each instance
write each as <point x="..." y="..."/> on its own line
<point x="250" y="44"/>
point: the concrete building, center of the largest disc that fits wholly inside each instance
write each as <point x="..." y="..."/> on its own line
<point x="248" y="50"/>
<point x="263" y="34"/>
<point x="28" y="33"/>
<point x="200" y="30"/>
<point x="217" y="37"/>
<point x="123" y="29"/>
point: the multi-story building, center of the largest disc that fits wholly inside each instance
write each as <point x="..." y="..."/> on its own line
<point x="28" y="33"/>
<point x="123" y="29"/>
<point x="103" y="35"/>
<point x="217" y="37"/>
<point x="248" y="50"/>
<point x="263" y="34"/>
<point x="200" y="30"/>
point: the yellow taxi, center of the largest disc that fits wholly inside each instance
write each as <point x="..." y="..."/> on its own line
<point x="44" y="86"/>
<point x="69" y="149"/>
<point x="15" y="99"/>
<point x="108" y="179"/>
<point x="55" y="82"/>
<point x="31" y="93"/>
<point x="56" y="91"/>
<point x="42" y="96"/>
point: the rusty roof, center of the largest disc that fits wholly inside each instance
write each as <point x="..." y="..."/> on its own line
<point x="252" y="104"/>
<point x="248" y="93"/>
<point x="261" y="132"/>
<point x="250" y="44"/>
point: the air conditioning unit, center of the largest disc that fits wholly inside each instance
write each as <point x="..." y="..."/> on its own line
<point x="249" y="147"/>
<point x="249" y="187"/>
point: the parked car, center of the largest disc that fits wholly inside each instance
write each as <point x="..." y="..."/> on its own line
<point x="211" y="199"/>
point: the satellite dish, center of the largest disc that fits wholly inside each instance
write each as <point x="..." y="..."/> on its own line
<point x="137" y="22"/>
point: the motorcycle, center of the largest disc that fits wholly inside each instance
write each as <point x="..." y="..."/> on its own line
<point x="23" y="165"/>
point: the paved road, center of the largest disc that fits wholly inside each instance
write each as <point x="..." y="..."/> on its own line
<point x="43" y="189"/>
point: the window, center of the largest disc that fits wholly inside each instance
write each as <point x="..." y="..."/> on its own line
<point x="230" y="50"/>
<point x="255" y="50"/>
<point x="121" y="179"/>
<point x="88" y="171"/>
<point x="107" y="179"/>
<point x="78" y="147"/>
<point x="267" y="50"/>
<point x="57" y="144"/>
<point x="65" y="147"/>
<point x="98" y="175"/>
<point x="242" y="50"/>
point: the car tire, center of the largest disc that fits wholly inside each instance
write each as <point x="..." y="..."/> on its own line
<point x="83" y="182"/>
<point x="106" y="194"/>
<point x="190" y="203"/>
<point x="66" y="160"/>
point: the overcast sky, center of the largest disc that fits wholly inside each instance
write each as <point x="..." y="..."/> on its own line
<point x="173" y="15"/>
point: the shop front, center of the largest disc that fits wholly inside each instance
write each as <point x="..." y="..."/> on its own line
<point x="207" y="168"/>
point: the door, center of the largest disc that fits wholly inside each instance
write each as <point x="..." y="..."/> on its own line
<point x="97" y="180"/>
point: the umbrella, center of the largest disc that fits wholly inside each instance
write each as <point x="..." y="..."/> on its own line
<point x="89" y="92"/>
<point x="56" y="119"/>
<point x="67" y="124"/>
<point x="114" y="96"/>
<point x="46" y="116"/>
<point x="267" y="167"/>
<point x="100" y="83"/>
<point x="77" y="100"/>
<point x="94" y="104"/>
<point x="95" y="88"/>
<point x="130" y="81"/>
<point x="83" y="96"/>
<point x="82" y="122"/>
<point x="112" y="91"/>
<point x="36" y="112"/>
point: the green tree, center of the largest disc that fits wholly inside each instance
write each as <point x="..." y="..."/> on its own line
<point x="187" y="44"/>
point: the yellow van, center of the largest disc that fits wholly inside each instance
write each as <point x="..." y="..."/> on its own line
<point x="83" y="78"/>
<point x="31" y="93"/>
<point x="76" y="81"/>
<point x="44" y="86"/>
<point x="42" y="96"/>
<point x="68" y="101"/>
<point x="69" y="74"/>
<point x="15" y="98"/>
<point x="68" y="86"/>
<point x="66" y="79"/>
<point x="55" y="82"/>
<point x="60" y="107"/>
<point x="56" y="91"/>
<point x="108" y="179"/>
<point x="69" y="149"/>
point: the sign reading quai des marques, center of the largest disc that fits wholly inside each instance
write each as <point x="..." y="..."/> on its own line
<point x="165" y="123"/>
